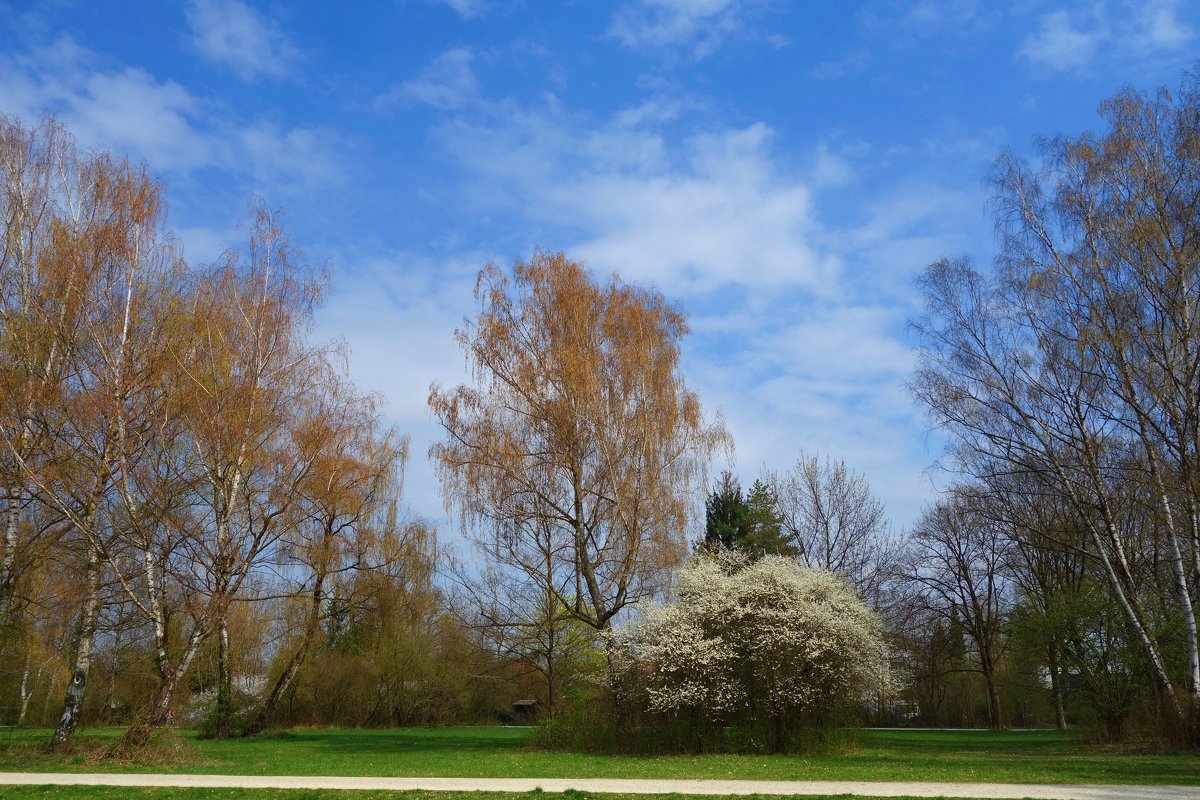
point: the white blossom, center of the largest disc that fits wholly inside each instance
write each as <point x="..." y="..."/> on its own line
<point x="765" y="637"/>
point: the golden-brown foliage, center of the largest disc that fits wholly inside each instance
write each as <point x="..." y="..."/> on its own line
<point x="573" y="456"/>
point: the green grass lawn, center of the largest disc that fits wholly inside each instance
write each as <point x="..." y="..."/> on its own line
<point x="894" y="755"/>
<point x="121" y="793"/>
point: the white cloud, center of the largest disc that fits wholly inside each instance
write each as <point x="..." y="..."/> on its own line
<point x="389" y="303"/>
<point x="721" y="217"/>
<point x="831" y="169"/>
<point x="203" y="245"/>
<point x="300" y="157"/>
<point x="906" y="23"/>
<point x="467" y="9"/>
<point x="1059" y="45"/>
<point x="446" y="83"/>
<point x="1155" y="27"/>
<point x="689" y="215"/>
<point x="134" y="112"/>
<point x="699" y="25"/>
<point x="798" y="329"/>
<point x="130" y="112"/>
<point x="849" y="64"/>
<point x="231" y="33"/>
<point x="842" y="345"/>
<point x="934" y="16"/>
<point x="398" y="313"/>
<point x="127" y="110"/>
<point x="1141" y="31"/>
<point x="656" y="111"/>
<point x="824" y="378"/>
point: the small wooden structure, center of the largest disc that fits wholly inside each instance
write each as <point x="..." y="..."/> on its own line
<point x="526" y="710"/>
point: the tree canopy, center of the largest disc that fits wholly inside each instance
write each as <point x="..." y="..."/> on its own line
<point x="574" y="453"/>
<point x="1077" y="359"/>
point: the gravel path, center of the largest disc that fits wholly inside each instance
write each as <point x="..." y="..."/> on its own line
<point x="623" y="786"/>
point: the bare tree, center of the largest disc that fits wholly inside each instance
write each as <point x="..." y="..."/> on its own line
<point x="37" y="171"/>
<point x="106" y="254"/>
<point x="1080" y="358"/>
<point x="521" y="620"/>
<point x="1047" y="562"/>
<point x="835" y="523"/>
<point x="958" y="557"/>
<point x="166" y="434"/>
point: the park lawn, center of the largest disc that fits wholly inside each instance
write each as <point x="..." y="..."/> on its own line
<point x="881" y="755"/>
<point x="139" y="793"/>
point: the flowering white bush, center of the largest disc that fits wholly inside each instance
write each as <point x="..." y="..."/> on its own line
<point x="769" y="644"/>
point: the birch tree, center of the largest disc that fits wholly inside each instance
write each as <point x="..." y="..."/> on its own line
<point x="1079" y="356"/>
<point x="82" y="288"/>
<point x="242" y="374"/>
<point x="1048" y="563"/>
<point x="578" y="435"/>
<point x="40" y="193"/>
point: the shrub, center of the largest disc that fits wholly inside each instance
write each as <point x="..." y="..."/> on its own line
<point x="751" y="656"/>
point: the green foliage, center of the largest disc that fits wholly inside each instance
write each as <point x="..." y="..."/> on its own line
<point x="749" y="524"/>
<point x="242" y="708"/>
<point x="725" y="513"/>
<point x="586" y="723"/>
<point x="763" y="533"/>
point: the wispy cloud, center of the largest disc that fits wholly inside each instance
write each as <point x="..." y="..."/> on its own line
<point x="287" y="158"/>
<point x="690" y="215"/>
<point x="130" y="112"/>
<point x="1155" y="27"/>
<point x="467" y="9"/>
<point x="1139" y="31"/>
<point x="1060" y="44"/>
<point x="700" y="26"/>
<point x="126" y="109"/>
<point x="720" y="216"/>
<point x="797" y="349"/>
<point x="398" y="312"/>
<point x="238" y="37"/>
<point x="933" y="17"/>
<point x="849" y="64"/>
<point x="906" y="23"/>
<point x="828" y="377"/>
<point x="446" y="83"/>
<point x="830" y="168"/>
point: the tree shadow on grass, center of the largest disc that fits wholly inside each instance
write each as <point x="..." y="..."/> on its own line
<point x="393" y="741"/>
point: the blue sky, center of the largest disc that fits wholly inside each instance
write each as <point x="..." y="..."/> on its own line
<point x="783" y="170"/>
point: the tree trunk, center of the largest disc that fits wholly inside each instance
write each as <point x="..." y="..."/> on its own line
<point x="1056" y="688"/>
<point x="224" y="708"/>
<point x="24" y="692"/>
<point x="152" y="717"/>
<point x="155" y="714"/>
<point x="73" y="702"/>
<point x="259" y="723"/>
<point x="1183" y="593"/>
<point x="1121" y="582"/>
<point x="284" y="681"/>
<point x="993" y="700"/>
<point x="9" y="553"/>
